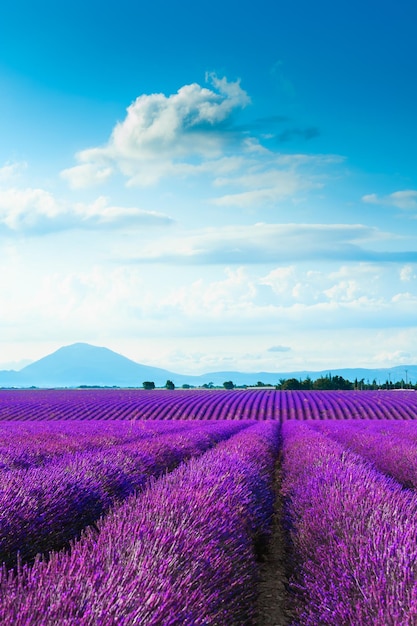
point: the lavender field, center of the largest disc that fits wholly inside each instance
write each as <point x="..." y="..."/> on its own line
<point x="208" y="507"/>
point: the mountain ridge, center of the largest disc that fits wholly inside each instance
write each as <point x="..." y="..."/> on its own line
<point x="84" y="364"/>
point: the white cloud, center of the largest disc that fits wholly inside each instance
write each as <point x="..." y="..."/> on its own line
<point x="405" y="199"/>
<point x="266" y="243"/>
<point x="270" y="178"/>
<point x="11" y="171"/>
<point x="235" y="304"/>
<point x="393" y="358"/>
<point x="285" y="186"/>
<point x="165" y="135"/>
<point x="408" y="272"/>
<point x="37" y="211"/>
<point x="70" y="303"/>
<point x="244" y="307"/>
<point x="85" y="175"/>
<point x="192" y="133"/>
<point x="25" y="209"/>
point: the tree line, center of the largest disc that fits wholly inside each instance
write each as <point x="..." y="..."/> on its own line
<point x="327" y="382"/>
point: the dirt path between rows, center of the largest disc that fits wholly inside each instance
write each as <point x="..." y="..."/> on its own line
<point x="273" y="606"/>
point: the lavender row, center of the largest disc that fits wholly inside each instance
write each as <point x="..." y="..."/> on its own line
<point x="354" y="535"/>
<point x="135" y="404"/>
<point x="196" y="404"/>
<point x="180" y="553"/>
<point x="42" y="509"/>
<point x="387" y="448"/>
<point x="31" y="444"/>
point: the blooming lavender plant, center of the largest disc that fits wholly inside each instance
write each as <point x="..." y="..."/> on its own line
<point x="354" y="535"/>
<point x="180" y="553"/>
<point x="382" y="443"/>
<point x="197" y="404"/>
<point x="42" y="509"/>
<point x="35" y="444"/>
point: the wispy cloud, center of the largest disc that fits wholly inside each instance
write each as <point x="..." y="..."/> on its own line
<point x="11" y="171"/>
<point x="37" y="211"/>
<point x="273" y="243"/>
<point x="265" y="178"/>
<point x="405" y="199"/>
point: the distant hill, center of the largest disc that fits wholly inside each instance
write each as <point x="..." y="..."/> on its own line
<point x="84" y="364"/>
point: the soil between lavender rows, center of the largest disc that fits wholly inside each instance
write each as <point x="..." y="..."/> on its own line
<point x="274" y="602"/>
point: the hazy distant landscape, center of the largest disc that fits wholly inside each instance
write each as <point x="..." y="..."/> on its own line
<point x="84" y="364"/>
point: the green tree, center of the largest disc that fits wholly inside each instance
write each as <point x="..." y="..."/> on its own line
<point x="169" y="385"/>
<point x="291" y="383"/>
<point x="148" y="384"/>
<point x="228" y="384"/>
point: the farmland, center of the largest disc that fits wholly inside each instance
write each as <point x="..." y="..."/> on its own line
<point x="208" y="507"/>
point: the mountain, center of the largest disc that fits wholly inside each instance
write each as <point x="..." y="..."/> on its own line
<point x="84" y="364"/>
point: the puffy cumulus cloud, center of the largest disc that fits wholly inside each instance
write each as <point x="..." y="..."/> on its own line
<point x="236" y="303"/>
<point x="37" y="211"/>
<point x="269" y="243"/>
<point x="28" y="209"/>
<point x="358" y="282"/>
<point x="236" y="291"/>
<point x="165" y="135"/>
<point x="406" y="199"/>
<point x="193" y="133"/>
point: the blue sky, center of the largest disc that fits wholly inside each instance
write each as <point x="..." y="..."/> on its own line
<point x="210" y="186"/>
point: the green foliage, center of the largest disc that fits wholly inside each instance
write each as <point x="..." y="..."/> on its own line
<point x="323" y="383"/>
<point x="148" y="384"/>
<point x="228" y="384"/>
<point x="169" y="385"/>
<point x="291" y="383"/>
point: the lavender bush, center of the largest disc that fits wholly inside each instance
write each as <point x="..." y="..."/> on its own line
<point x="197" y="404"/>
<point x="42" y="509"/>
<point x="180" y="553"/>
<point x="354" y="534"/>
<point x="382" y="443"/>
<point x="35" y="444"/>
